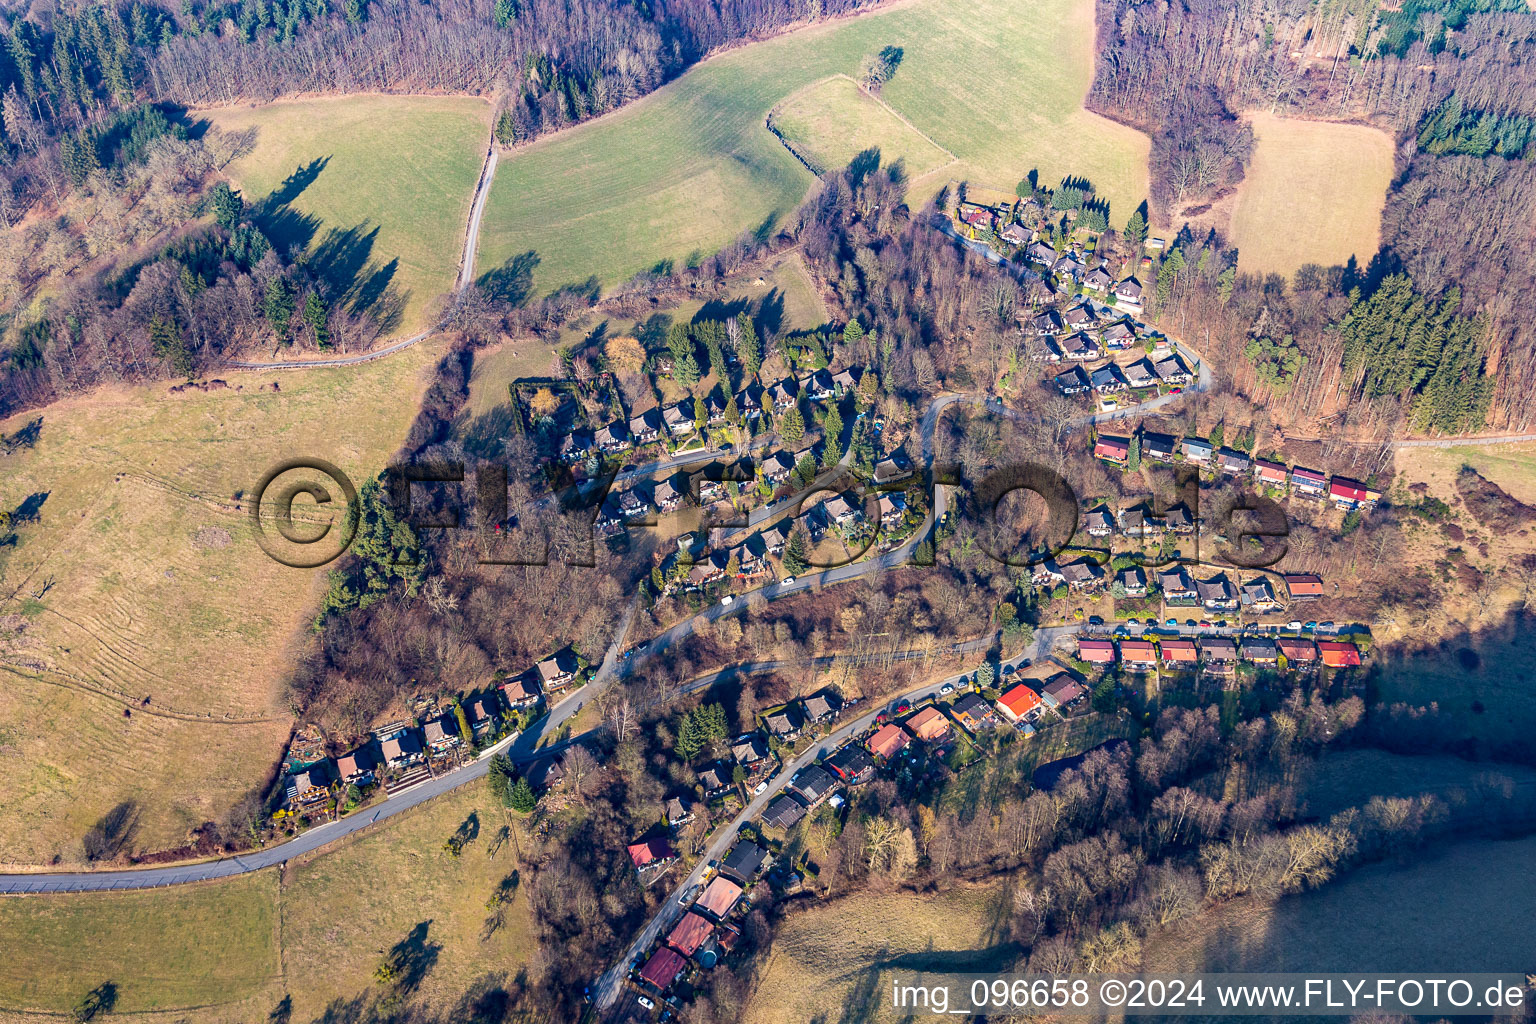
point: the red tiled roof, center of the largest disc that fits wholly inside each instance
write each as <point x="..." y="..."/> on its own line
<point x="888" y="741"/>
<point x="1179" y="650"/>
<point x="1297" y="650"/>
<point x="650" y="851"/>
<point x="663" y="968"/>
<point x="928" y="724"/>
<point x="1110" y="447"/>
<point x="1271" y="471"/>
<point x="691" y="933"/>
<point x="1102" y="651"/>
<point x="721" y="896"/>
<point x="1343" y="487"/>
<point x="1138" y="650"/>
<point x="1303" y="583"/>
<point x="1019" y="701"/>
<point x="1339" y="655"/>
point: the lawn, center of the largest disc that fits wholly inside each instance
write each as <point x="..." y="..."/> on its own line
<point x="1466" y="907"/>
<point x="832" y="121"/>
<point x="1313" y="194"/>
<point x="1511" y="466"/>
<point x="141" y="579"/>
<point x="692" y="166"/>
<point x="233" y="949"/>
<point x="211" y="944"/>
<point x="836" y="961"/>
<point x="379" y="186"/>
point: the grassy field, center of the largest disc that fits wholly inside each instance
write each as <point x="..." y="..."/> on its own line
<point x="692" y="166"/>
<point x="206" y="945"/>
<point x="1511" y="466"/>
<point x="392" y="176"/>
<point x="835" y="962"/>
<point x="233" y="949"/>
<point x="833" y="120"/>
<point x="1468" y="907"/>
<point x="1313" y="194"/>
<point x="141" y="578"/>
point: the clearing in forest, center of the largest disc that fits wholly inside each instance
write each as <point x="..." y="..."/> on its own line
<point x="687" y="169"/>
<point x="378" y="188"/>
<point x="1313" y="193"/>
<point x="139" y="580"/>
<point x="830" y="122"/>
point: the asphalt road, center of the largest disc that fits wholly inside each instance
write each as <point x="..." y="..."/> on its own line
<point x="610" y="985"/>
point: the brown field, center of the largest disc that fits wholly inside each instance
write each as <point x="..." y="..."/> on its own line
<point x="1313" y="194"/>
<point x="1511" y="466"/>
<point x="141" y="579"/>
<point x="230" y="951"/>
<point x="835" y="962"/>
<point x="1468" y="907"/>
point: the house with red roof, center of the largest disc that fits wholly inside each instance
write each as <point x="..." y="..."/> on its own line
<point x="663" y="969"/>
<point x="889" y="741"/>
<point x="1267" y="472"/>
<point x="1347" y="494"/>
<point x="1339" y="655"/>
<point x="691" y="933"/>
<point x="1138" y="654"/>
<point x="1112" y="449"/>
<point x="1096" y="652"/>
<point x="1018" y="702"/>
<point x="928" y="725"/>
<point x="1179" y="652"/>
<point x="651" y="853"/>
<point x="1303" y="586"/>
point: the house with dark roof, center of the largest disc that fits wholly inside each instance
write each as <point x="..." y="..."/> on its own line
<point x="1260" y="650"/>
<point x="678" y="419"/>
<point x="1299" y="651"/>
<point x="1308" y="483"/>
<point x="749" y="401"/>
<point x="1175" y="584"/>
<point x="785" y="722"/>
<point x="1097" y="280"/>
<point x="1303" y="586"/>
<point x="852" y="764"/>
<point x="749" y="748"/>
<point x="1217" y="593"/>
<point x="1107" y="379"/>
<point x="1049" y="322"/>
<point x="1198" y="450"/>
<point x="972" y="712"/>
<point x="813" y="783"/>
<point x="1233" y="462"/>
<point x="1219" y="653"/>
<point x="1099" y="522"/>
<point x="442" y="734"/>
<point x="1127" y="294"/>
<point x="1014" y="234"/>
<point x="1079" y="317"/>
<point x="1119" y="335"/>
<point x="663" y="969"/>
<point x="308" y="787"/>
<point x="1079" y="346"/>
<point x="645" y="428"/>
<point x="1083" y="574"/>
<point x="1061" y="691"/>
<point x="1140" y="374"/>
<point x="817" y="386"/>
<point x="1178" y="520"/>
<point x="612" y="439"/>
<point x="1133" y="581"/>
<point x="1259" y="594"/>
<point x="822" y="706"/>
<point x="744" y="861"/>
<point x="1136" y="522"/>
<point x="784" y="812"/>
<point x="1072" y="382"/>
<point x="784" y="394"/>
<point x="715" y="779"/>
<point x="1042" y="254"/>
<point x="1172" y="371"/>
<point x="679" y="810"/>
<point x="1159" y="447"/>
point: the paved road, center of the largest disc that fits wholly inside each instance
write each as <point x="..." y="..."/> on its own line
<point x="611" y="984"/>
<point x="466" y="275"/>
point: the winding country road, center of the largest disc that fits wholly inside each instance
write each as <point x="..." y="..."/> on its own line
<point x="466" y="276"/>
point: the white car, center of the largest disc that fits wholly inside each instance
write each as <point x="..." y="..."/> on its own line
<point x="1293" y="624"/>
<point x="727" y="599"/>
<point x="786" y="581"/>
<point x="946" y="688"/>
<point x="760" y="787"/>
<point x="646" y="1002"/>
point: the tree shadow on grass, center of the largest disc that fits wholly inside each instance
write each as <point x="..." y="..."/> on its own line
<point x="413" y="958"/>
<point x="512" y="282"/>
<point x="110" y="837"/>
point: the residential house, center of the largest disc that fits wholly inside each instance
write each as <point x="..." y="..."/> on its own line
<point x="814" y="784"/>
<point x="714" y="408"/>
<point x="1308" y="483"/>
<point x="1014" y="234"/>
<point x="1112" y="449"/>
<point x="1069" y="265"/>
<point x="715" y="780"/>
<point x="784" y="811"/>
<point x="1140" y="374"/>
<point x="1135" y="522"/>
<point x="852" y="764"/>
<point x="1133" y="581"/>
<point x="668" y="496"/>
<point x="1099" y="522"/>
<point x="1083" y="574"/>
<point x="776" y="536"/>
<point x="1300" y="652"/>
<point x="721" y="894"/>
<point x="1218" y="652"/>
<point x="403" y="748"/>
<point x="1175" y="584"/>
<point x="929" y="725"/>
<point x="894" y="467"/>
<point x="844" y="512"/>
<point x="678" y="418"/>
<point x="845" y="381"/>
<point x="1178" y="653"/>
<point x="558" y="670"/>
<point x="1303" y="586"/>
<point x="1272" y="473"/>
<point x="544" y="772"/>
<point x="817" y="387"/>
<point x="1097" y="280"/>
<point x="1061" y="691"/>
<point x="1127" y="294"/>
<point x="1073" y="382"/>
<point x="978" y="219"/>
<point x="1138" y="654"/>
<point x="632" y="505"/>
<point x="357" y="768"/>
<point x="1080" y="346"/>
<point x="1198" y="450"/>
<point x="893" y="507"/>
<point x="645" y="427"/>
<point x="1347" y="494"/>
<point x="749" y="749"/>
<point x="481" y="710"/>
<point x="575" y="446"/>
<point x="1155" y="244"/>
<point x="443" y="734"/>
<point x="1159" y="447"/>
<point x="1018" y="703"/>
<point x="973" y="712"/>
<point x="744" y="861"/>
<point x="777" y="467"/>
<point x="522" y="692"/>
<point x="823" y="706"/>
<point x="1172" y="371"/>
<point x="308" y="787"/>
<point x="651" y="854"/>
<point x="784" y="395"/>
<point x="1096" y="652"/>
<point x="692" y="934"/>
<point x="1260" y="650"/>
<point x="1079" y="318"/>
<point x="1217" y="593"/>
<point x="785" y="722"/>
<point x="1338" y="655"/>
<point x="1179" y="520"/>
<point x="1107" y="379"/>
<point x="1259" y="594"/>
<point x="679" y="810"/>
<point x="1042" y="254"/>
<point x="613" y="438"/>
<point x="1048" y="322"/>
<point x="887" y="742"/>
<point x="663" y="969"/>
<point x="1232" y="462"/>
<point x="1119" y="336"/>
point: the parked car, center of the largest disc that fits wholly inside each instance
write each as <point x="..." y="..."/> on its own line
<point x="1309" y="625"/>
<point x="786" y="581"/>
<point x="757" y="790"/>
<point x="727" y="599"/>
<point x="1174" y="623"/>
<point x="946" y="688"/>
<point x="1293" y="624"/>
<point x="646" y="1002"/>
<point x="1094" y="620"/>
